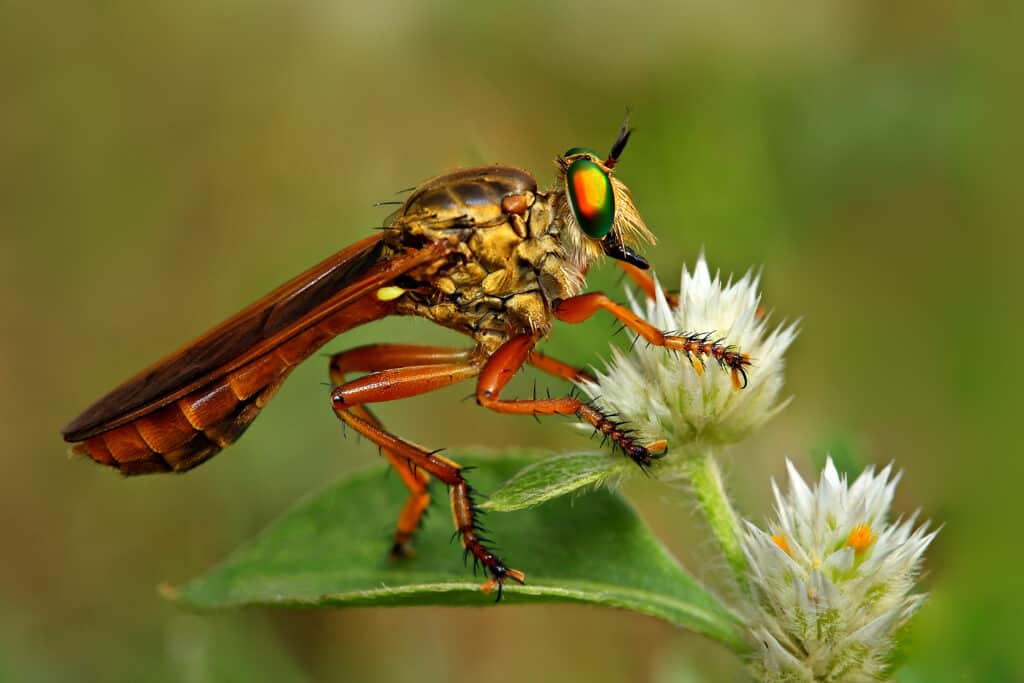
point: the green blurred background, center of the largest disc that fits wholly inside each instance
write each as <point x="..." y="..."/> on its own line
<point x="163" y="164"/>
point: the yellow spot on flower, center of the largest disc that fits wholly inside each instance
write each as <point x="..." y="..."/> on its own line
<point x="860" y="539"/>
<point x="389" y="293"/>
<point x="783" y="545"/>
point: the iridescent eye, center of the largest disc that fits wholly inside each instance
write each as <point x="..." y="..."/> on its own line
<point x="577" y="151"/>
<point x="591" y="197"/>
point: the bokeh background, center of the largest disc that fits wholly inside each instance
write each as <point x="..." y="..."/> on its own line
<point x="163" y="164"/>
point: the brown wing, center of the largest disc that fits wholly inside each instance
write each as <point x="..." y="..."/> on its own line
<point x="290" y="309"/>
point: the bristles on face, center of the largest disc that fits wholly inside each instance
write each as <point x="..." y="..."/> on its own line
<point x="629" y="226"/>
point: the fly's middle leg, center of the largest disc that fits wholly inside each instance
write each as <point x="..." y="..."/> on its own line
<point x="555" y="367"/>
<point x="507" y="360"/>
<point x="375" y="358"/>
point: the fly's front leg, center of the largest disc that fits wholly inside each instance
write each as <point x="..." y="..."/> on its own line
<point x="401" y="382"/>
<point x="375" y="358"/>
<point x="696" y="346"/>
<point x="507" y="360"/>
<point x="645" y="281"/>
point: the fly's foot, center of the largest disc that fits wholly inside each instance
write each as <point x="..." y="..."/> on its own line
<point x="644" y="456"/>
<point x="482" y="556"/>
<point x="657" y="450"/>
<point x="401" y="550"/>
<point x="499" y="572"/>
<point x="622" y="437"/>
<point x="474" y="543"/>
<point x="699" y="348"/>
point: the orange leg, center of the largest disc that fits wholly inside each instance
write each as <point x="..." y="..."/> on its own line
<point x="374" y="358"/>
<point x="390" y="383"/>
<point x="555" y="367"/>
<point x="507" y="360"/>
<point x="578" y="308"/>
<point x="645" y="281"/>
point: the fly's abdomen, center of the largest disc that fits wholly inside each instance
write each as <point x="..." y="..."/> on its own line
<point x="469" y="196"/>
<point x="191" y="430"/>
<point x="187" y="432"/>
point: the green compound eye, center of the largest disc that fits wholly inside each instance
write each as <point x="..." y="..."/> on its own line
<point x="575" y="151"/>
<point x="591" y="197"/>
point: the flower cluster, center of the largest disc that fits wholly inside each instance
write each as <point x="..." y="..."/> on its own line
<point x="831" y="578"/>
<point x="824" y="588"/>
<point x="662" y="396"/>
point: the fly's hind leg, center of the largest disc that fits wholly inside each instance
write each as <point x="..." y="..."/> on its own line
<point x="400" y="371"/>
<point x="375" y="358"/>
<point x="416" y="480"/>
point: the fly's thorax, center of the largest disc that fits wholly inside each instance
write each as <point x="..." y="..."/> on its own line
<point x="559" y="274"/>
<point x="508" y="265"/>
<point x="468" y="197"/>
<point x="494" y="284"/>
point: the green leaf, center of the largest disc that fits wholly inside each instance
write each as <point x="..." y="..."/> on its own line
<point x="554" y="477"/>
<point x="331" y="550"/>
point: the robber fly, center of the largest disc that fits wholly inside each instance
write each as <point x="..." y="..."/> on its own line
<point x="478" y="250"/>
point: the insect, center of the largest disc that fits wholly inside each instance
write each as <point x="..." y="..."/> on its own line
<point x="478" y="250"/>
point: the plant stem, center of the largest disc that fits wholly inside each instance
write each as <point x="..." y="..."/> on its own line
<point x="706" y="479"/>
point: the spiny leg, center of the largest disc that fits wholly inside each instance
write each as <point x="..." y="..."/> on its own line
<point x="507" y="360"/>
<point x="578" y="308"/>
<point x="374" y="358"/>
<point x="403" y="382"/>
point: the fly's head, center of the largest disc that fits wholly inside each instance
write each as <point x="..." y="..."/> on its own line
<point x="596" y="210"/>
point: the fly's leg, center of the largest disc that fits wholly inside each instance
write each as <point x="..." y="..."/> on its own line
<point x="607" y="426"/>
<point x="696" y="346"/>
<point x="374" y="358"/>
<point x="555" y="367"/>
<point x="507" y="360"/>
<point x="645" y="281"/>
<point x="402" y="382"/>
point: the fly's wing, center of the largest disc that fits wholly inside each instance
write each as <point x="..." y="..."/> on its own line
<point x="295" y="306"/>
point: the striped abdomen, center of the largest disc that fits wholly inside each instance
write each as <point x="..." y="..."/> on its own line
<point x="195" y="427"/>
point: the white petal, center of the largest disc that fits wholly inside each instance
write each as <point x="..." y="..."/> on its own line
<point x="821" y="596"/>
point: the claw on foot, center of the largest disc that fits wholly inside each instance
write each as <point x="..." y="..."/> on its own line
<point x="657" y="449"/>
<point x="401" y="551"/>
<point x="700" y="349"/>
<point x="498" y="580"/>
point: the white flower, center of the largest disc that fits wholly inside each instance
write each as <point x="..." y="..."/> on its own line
<point x="663" y="396"/>
<point x="831" y="579"/>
